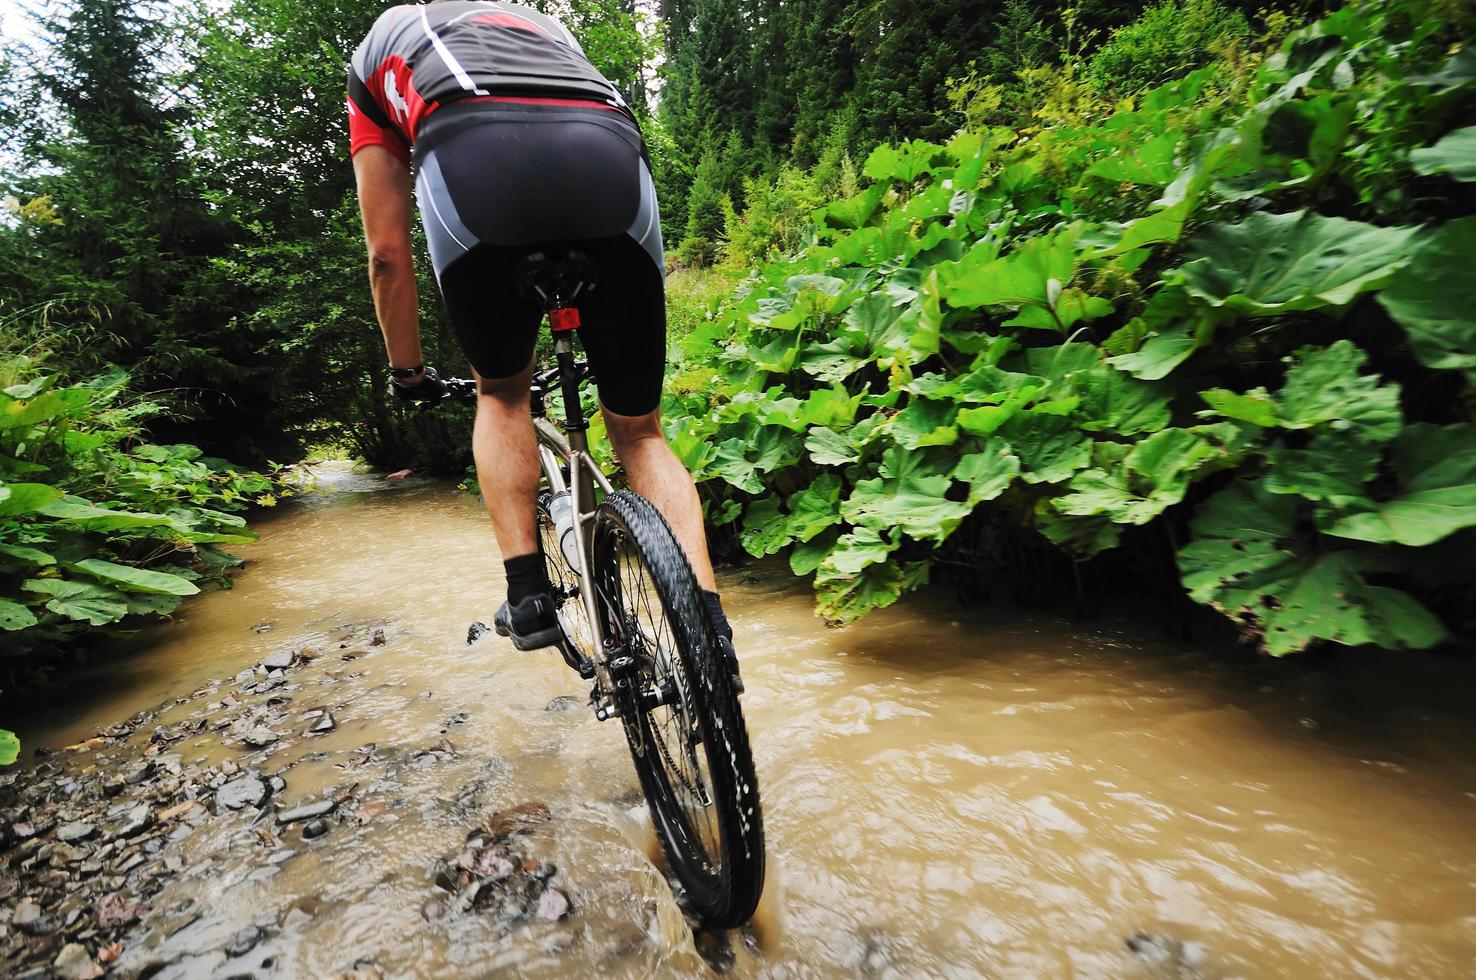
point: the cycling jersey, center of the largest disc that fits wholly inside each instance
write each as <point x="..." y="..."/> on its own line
<point x="418" y="57"/>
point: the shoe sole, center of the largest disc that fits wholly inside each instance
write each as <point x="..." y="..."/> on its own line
<point x="532" y="641"/>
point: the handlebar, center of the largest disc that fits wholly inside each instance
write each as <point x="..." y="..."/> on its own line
<point x="464" y="390"/>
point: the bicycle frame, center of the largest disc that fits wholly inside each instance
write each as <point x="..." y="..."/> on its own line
<point x="584" y="476"/>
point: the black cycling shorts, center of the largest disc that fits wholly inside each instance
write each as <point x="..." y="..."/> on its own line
<point x="495" y="181"/>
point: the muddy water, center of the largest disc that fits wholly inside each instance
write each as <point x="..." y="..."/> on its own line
<point x="945" y="793"/>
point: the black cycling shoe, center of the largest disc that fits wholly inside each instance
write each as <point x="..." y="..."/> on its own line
<point x="531" y="624"/>
<point x="725" y="646"/>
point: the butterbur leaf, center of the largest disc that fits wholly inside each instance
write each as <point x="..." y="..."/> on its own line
<point x="731" y="463"/>
<point x="1152" y="478"/>
<point x="806" y="556"/>
<point x="1050" y="448"/>
<point x="877" y="330"/>
<point x="1333" y="469"/>
<point x="764" y="530"/>
<point x="904" y="163"/>
<point x="988" y="473"/>
<point x="79" y="513"/>
<point x="25" y="498"/>
<point x="1437" y="490"/>
<point x="14" y="616"/>
<point x="925" y="422"/>
<point x="1279" y="263"/>
<point x="144" y="604"/>
<point x="1433" y="298"/>
<point x="96" y="605"/>
<point x="828" y="447"/>
<point x="131" y="579"/>
<point x="1159" y="354"/>
<point x="1021" y="278"/>
<point x="1083" y="537"/>
<point x="1454" y="154"/>
<point x="1247" y="561"/>
<point x="34" y="556"/>
<point x="1255" y="406"/>
<point x="1113" y="402"/>
<point x="1324" y="385"/>
<point x="844" y="598"/>
<point x="9" y="747"/>
<point x="911" y="494"/>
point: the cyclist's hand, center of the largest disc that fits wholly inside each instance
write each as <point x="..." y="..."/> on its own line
<point x="430" y="388"/>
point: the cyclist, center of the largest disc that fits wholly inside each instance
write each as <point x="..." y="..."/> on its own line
<point x="516" y="140"/>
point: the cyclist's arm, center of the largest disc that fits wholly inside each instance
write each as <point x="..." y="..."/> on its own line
<point x="384" y="204"/>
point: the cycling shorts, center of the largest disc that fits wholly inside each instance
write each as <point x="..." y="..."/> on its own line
<point x="495" y="180"/>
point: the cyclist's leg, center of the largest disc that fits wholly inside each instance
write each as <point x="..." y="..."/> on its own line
<point x="655" y="473"/>
<point x="506" y="453"/>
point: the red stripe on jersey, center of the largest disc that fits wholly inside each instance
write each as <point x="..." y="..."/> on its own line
<point x="364" y="131"/>
<point x="392" y="85"/>
<point x="509" y="21"/>
<point x="535" y="100"/>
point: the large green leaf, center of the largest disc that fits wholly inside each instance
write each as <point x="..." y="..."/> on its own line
<point x="766" y="530"/>
<point x="1455" y="154"/>
<point x="1433" y="298"/>
<point x="1333" y="468"/>
<point x="1248" y="561"/>
<point x="988" y="473"/>
<point x="33" y="556"/>
<point x="910" y="494"/>
<point x="904" y="163"/>
<point x="1113" y="402"/>
<point x="1281" y="263"/>
<point x="131" y="579"/>
<point x="925" y="422"/>
<point x="1152" y="477"/>
<point x="25" y="498"/>
<point x="1050" y="447"/>
<point x="96" y="605"/>
<point x="79" y="513"/>
<point x="1034" y="274"/>
<point x="1436" y="495"/>
<point x="9" y="747"/>
<point x="14" y="616"/>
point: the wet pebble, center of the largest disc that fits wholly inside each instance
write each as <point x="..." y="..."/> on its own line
<point x="244" y="941"/>
<point x="75" y="831"/>
<point x="75" y="963"/>
<point x="280" y="660"/>
<point x="563" y="702"/>
<point x="323" y="725"/>
<point x="135" y="821"/>
<point x="314" y="829"/>
<point x="240" y="793"/>
<point x="307" y="811"/>
<point x="139" y="772"/>
<point x="476" y="631"/>
<point x="553" y="905"/>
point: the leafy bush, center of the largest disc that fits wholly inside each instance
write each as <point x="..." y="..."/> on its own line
<point x="1168" y="41"/>
<point x="1118" y="319"/>
<point x="96" y="523"/>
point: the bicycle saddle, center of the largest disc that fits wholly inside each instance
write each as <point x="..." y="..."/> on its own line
<point x="555" y="278"/>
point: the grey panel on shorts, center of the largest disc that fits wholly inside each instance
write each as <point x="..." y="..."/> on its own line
<point x="449" y="239"/>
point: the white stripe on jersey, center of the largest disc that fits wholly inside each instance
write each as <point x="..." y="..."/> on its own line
<point x="449" y="58"/>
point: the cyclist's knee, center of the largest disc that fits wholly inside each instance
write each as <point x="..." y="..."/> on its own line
<point x="627" y="430"/>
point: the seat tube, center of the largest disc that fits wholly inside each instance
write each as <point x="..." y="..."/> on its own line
<point x="576" y="428"/>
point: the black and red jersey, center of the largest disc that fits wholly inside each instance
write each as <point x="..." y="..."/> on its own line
<point x="418" y="57"/>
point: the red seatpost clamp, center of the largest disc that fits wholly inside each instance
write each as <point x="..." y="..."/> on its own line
<point x="564" y="318"/>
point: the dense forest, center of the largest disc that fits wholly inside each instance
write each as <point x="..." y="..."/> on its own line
<point x="1175" y="295"/>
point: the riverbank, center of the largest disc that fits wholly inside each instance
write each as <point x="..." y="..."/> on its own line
<point x="990" y="791"/>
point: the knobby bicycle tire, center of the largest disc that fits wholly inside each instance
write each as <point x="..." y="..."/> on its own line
<point x="723" y="888"/>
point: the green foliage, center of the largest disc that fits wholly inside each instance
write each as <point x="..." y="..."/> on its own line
<point x="1169" y="40"/>
<point x="97" y="524"/>
<point x="1080" y="328"/>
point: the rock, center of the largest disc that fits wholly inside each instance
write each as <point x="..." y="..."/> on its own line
<point x="563" y="702"/>
<point x="434" y="908"/>
<point x="314" y="829"/>
<point x="112" y="787"/>
<point x="70" y="833"/>
<point x="241" y="792"/>
<point x="262" y="628"/>
<point x="377" y="640"/>
<point x="135" y="821"/>
<point x="23" y="829"/>
<point x="363" y="970"/>
<point x="280" y="660"/>
<point x="553" y="905"/>
<point x="476" y="631"/>
<point x="1170" y="958"/>
<point x="323" y="725"/>
<point x="259" y="737"/>
<point x="115" y="910"/>
<point x="68" y="854"/>
<point x="307" y="811"/>
<point x="185" y="809"/>
<point x="369" y="812"/>
<point x="26" y="915"/>
<point x="517" y="821"/>
<point x="139" y="773"/>
<point x="296" y="918"/>
<point x="74" y="963"/>
<point x="244" y="941"/>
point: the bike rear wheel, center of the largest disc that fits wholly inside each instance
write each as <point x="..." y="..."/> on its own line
<point x="681" y="714"/>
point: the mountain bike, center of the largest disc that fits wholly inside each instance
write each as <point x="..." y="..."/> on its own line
<point x="634" y="625"/>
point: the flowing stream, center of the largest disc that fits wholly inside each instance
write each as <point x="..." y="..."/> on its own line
<point x="946" y="791"/>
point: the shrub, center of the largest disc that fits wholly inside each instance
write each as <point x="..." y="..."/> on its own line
<point x="1168" y="41"/>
